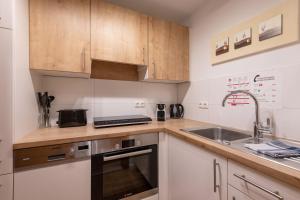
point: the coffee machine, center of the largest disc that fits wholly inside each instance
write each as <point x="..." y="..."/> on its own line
<point x="161" y="112"/>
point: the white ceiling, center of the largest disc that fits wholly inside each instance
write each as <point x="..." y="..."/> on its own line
<point x="175" y="10"/>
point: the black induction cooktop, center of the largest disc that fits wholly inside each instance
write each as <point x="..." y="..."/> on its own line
<point x="102" y="122"/>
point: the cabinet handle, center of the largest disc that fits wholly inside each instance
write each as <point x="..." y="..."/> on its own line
<point x="274" y="194"/>
<point x="83" y="55"/>
<point x="126" y="155"/>
<point x="233" y="198"/>
<point x="154" y="70"/>
<point x="215" y="175"/>
<point x="144" y="60"/>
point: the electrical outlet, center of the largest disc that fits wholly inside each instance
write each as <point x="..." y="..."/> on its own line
<point x="200" y="105"/>
<point x="139" y="104"/>
<point x="203" y="105"/>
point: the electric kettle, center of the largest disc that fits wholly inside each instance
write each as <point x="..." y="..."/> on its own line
<point x="176" y="111"/>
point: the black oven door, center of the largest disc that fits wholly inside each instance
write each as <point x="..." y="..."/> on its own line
<point x="124" y="173"/>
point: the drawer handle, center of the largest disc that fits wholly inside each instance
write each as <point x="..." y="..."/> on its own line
<point x="274" y="194"/>
<point x="58" y="157"/>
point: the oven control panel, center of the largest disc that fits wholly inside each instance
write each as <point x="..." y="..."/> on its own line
<point x="114" y="144"/>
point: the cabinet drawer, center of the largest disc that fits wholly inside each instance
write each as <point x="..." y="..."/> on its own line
<point x="259" y="186"/>
<point x="5" y="13"/>
<point x="6" y="187"/>
<point x="234" y="194"/>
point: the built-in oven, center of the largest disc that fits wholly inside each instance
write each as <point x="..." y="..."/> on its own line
<point x="125" y="168"/>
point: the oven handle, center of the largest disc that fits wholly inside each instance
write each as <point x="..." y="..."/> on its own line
<point x="126" y="155"/>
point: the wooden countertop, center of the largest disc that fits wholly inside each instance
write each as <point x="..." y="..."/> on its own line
<point x="52" y="136"/>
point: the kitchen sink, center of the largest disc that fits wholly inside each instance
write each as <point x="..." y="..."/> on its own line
<point x="218" y="134"/>
<point x="237" y="140"/>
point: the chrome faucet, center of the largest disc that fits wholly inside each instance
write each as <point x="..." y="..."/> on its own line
<point x="257" y="125"/>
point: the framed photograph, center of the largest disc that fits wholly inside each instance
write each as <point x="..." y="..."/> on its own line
<point x="243" y="38"/>
<point x="222" y="46"/>
<point x="271" y="28"/>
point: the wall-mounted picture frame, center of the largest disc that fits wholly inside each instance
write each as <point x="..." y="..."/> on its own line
<point x="274" y="28"/>
<point x="222" y="46"/>
<point x="243" y="38"/>
<point x="271" y="28"/>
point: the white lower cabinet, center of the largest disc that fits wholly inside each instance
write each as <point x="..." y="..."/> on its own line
<point x="258" y="186"/>
<point x="194" y="173"/>
<point x="163" y="166"/>
<point x="70" y="181"/>
<point x="6" y="101"/>
<point x="6" y="187"/>
<point x="234" y="194"/>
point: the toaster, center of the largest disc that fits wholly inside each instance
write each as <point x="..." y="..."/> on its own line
<point x="72" y="118"/>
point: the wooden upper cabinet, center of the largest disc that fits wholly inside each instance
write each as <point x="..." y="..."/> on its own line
<point x="168" y="51"/>
<point x="60" y="35"/>
<point x="118" y="34"/>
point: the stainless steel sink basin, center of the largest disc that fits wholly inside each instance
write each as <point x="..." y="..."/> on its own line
<point x="219" y="134"/>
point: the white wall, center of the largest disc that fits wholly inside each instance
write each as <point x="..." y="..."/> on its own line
<point x="207" y="82"/>
<point x="106" y="97"/>
<point x="25" y="108"/>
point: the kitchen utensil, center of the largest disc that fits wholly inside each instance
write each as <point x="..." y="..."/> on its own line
<point x="45" y="104"/>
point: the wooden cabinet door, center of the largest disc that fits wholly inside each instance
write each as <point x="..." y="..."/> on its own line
<point x="168" y="51"/>
<point x="60" y="35"/>
<point x="6" y="102"/>
<point x="191" y="172"/>
<point x="6" y="14"/>
<point x="118" y="34"/>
